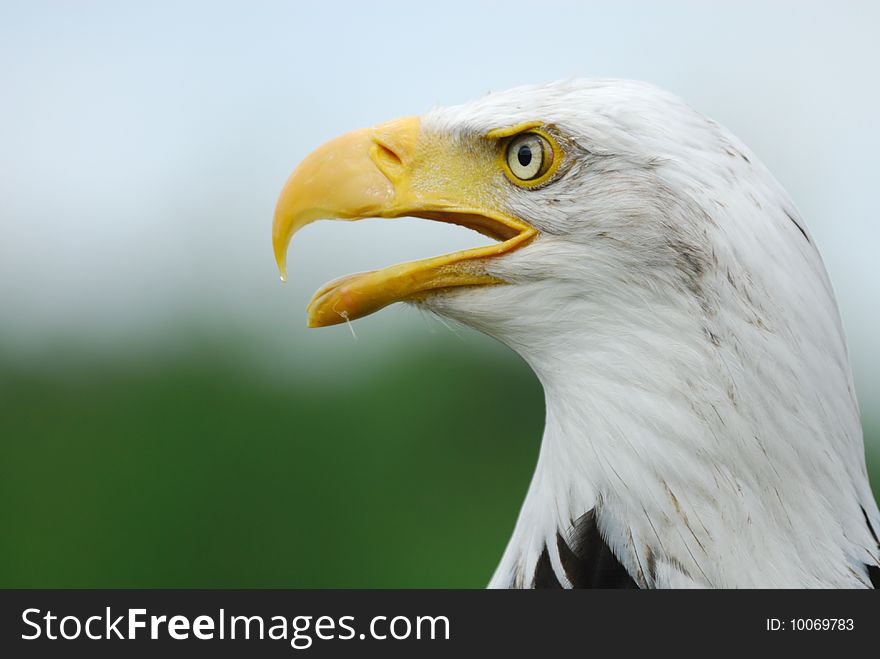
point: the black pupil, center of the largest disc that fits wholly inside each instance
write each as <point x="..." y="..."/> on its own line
<point x="524" y="155"/>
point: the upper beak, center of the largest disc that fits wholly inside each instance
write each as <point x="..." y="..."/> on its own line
<point x="380" y="172"/>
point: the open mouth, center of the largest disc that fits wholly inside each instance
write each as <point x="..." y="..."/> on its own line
<point x="357" y="295"/>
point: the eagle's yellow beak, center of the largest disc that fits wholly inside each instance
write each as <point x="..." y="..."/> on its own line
<point x="395" y="170"/>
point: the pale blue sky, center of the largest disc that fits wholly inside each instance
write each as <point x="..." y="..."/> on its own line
<point x="142" y="146"/>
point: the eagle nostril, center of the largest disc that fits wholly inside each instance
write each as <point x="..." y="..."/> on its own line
<point x="388" y="162"/>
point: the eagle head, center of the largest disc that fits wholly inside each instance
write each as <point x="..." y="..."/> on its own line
<point x="660" y="282"/>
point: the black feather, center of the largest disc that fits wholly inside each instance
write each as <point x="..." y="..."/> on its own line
<point x="545" y="577"/>
<point x="586" y="558"/>
<point x="873" y="570"/>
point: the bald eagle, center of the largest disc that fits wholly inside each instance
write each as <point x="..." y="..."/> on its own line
<point x="701" y="424"/>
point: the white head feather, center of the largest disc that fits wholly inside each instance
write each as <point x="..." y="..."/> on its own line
<point x="698" y="389"/>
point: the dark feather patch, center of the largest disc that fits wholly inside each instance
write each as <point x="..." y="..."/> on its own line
<point x="594" y="564"/>
<point x="874" y="575"/>
<point x="586" y="558"/>
<point x="545" y="577"/>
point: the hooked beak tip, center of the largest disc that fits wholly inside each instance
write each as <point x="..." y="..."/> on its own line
<point x="281" y="261"/>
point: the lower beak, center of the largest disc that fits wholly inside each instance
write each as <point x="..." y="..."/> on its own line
<point x="390" y="171"/>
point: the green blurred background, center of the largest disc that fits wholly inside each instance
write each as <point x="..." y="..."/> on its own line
<point x="166" y="419"/>
<point x="192" y="469"/>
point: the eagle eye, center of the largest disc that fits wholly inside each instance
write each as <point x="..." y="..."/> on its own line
<point x="530" y="159"/>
